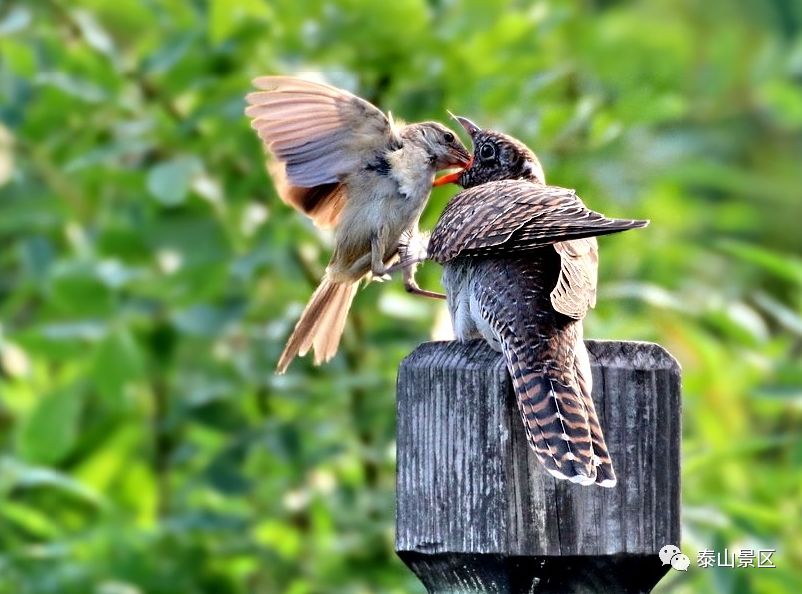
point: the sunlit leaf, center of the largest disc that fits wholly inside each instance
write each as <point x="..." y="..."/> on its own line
<point x="15" y="474"/>
<point x="73" y="85"/>
<point x="224" y="16"/>
<point x="94" y="33"/>
<point x="50" y="432"/>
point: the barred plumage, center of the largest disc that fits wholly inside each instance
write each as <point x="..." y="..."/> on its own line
<point x="518" y="215"/>
<point x="520" y="266"/>
<point x="539" y="346"/>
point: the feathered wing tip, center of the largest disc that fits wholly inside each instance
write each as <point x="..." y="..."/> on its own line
<point x="321" y="324"/>
<point x="555" y="417"/>
<point x="626" y="224"/>
<point x="605" y="475"/>
<point x="319" y="132"/>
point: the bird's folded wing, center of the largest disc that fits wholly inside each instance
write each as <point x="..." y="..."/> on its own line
<point x="575" y="291"/>
<point x="319" y="134"/>
<point x="512" y="216"/>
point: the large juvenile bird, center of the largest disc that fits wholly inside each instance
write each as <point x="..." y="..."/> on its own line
<point x="520" y="265"/>
<point x="342" y="162"/>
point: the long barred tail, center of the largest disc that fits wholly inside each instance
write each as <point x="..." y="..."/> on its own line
<point x="546" y="357"/>
<point x="321" y="325"/>
<point x="605" y="475"/>
<point x="560" y="418"/>
<point x="554" y="416"/>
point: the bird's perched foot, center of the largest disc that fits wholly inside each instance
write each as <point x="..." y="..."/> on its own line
<point x="380" y="277"/>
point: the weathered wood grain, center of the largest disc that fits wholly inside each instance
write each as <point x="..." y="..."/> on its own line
<point x="477" y="513"/>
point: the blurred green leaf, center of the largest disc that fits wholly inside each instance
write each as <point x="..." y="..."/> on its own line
<point x="16" y="19"/>
<point x="117" y="362"/>
<point x="169" y="181"/>
<point x="783" y="101"/>
<point x="49" y="433"/>
<point x="169" y="54"/>
<point x="207" y="320"/>
<point x="15" y="474"/>
<point x="94" y="33"/>
<point x="781" y="265"/>
<point x="224" y="16"/>
<point x="73" y="85"/>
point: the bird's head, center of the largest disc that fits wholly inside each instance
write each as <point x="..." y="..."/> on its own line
<point x="496" y="156"/>
<point x="444" y="147"/>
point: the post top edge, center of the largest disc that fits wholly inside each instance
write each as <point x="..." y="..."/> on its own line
<point x="474" y="354"/>
<point x="478" y="354"/>
<point x="632" y="354"/>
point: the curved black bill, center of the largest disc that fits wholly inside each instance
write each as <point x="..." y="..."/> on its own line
<point x="471" y="128"/>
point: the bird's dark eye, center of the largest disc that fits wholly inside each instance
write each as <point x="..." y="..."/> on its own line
<point x="487" y="152"/>
<point x="448" y="137"/>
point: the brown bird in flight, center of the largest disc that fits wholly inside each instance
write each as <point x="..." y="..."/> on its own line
<point x="520" y="264"/>
<point x="341" y="161"/>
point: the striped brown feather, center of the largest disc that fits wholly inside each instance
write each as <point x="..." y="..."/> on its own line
<point x="538" y="343"/>
<point x="518" y="215"/>
<point x="575" y="291"/>
<point x="605" y="475"/>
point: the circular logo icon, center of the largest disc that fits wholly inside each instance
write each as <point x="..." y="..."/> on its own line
<point x="667" y="552"/>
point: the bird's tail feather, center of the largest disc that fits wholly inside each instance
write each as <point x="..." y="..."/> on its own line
<point x="321" y="325"/>
<point x="555" y="416"/>
<point x="605" y="475"/>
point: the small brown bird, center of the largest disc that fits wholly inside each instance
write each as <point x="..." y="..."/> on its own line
<point x="520" y="264"/>
<point x="342" y="162"/>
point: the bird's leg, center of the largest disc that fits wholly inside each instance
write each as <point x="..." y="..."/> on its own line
<point x="408" y="267"/>
<point x="403" y="265"/>
<point x="412" y="250"/>
<point x="378" y="241"/>
<point x="411" y="285"/>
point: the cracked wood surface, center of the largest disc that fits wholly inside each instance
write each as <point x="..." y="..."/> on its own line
<point x="477" y="513"/>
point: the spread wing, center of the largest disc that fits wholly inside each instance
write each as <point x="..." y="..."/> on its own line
<point x="508" y="216"/>
<point x="318" y="134"/>
<point x="575" y="291"/>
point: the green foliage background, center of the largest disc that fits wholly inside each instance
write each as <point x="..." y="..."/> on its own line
<point x="148" y="274"/>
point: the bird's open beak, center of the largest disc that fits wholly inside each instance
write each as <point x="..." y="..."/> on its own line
<point x="451" y="178"/>
<point x="460" y="157"/>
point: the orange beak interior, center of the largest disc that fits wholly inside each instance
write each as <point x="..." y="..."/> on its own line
<point x="449" y="178"/>
<point x="453" y="177"/>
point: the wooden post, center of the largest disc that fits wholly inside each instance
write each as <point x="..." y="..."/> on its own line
<point x="477" y="513"/>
